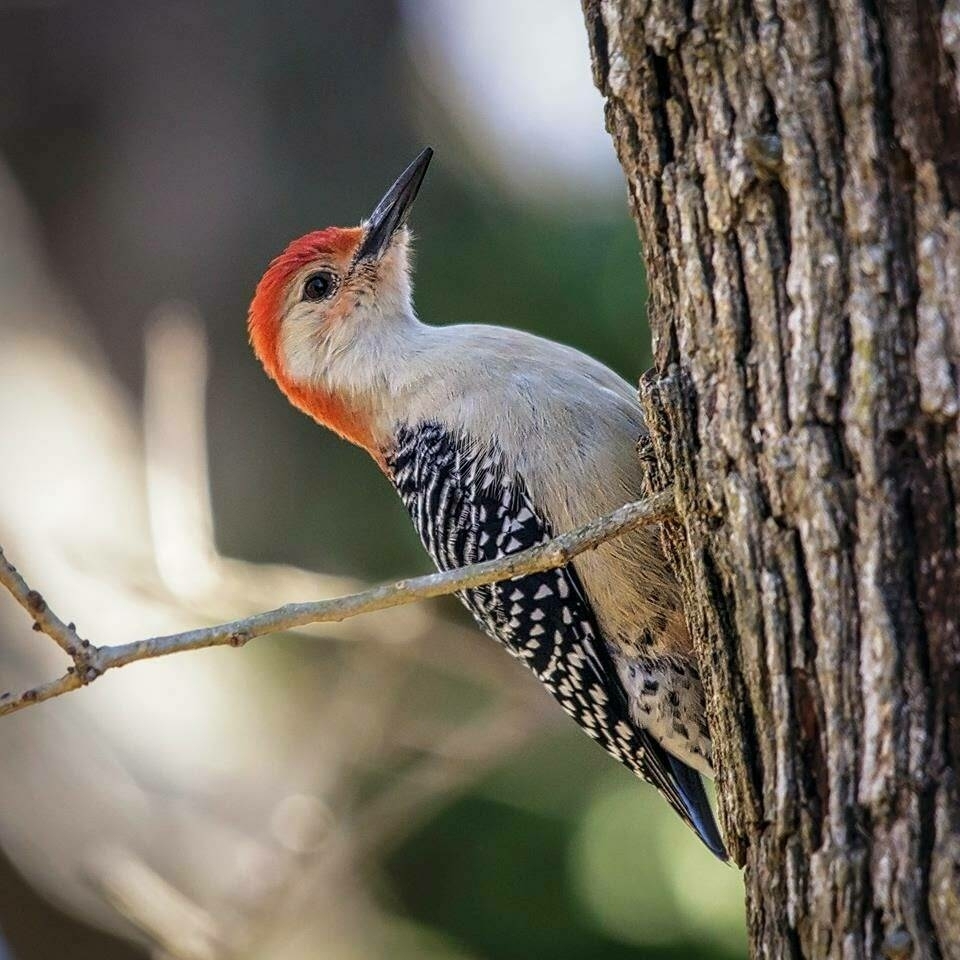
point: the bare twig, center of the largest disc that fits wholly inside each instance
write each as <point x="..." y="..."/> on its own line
<point x="44" y="619"/>
<point x="92" y="661"/>
<point x="63" y="634"/>
<point x="45" y="691"/>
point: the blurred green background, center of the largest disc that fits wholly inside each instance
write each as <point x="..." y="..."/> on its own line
<point x="165" y="152"/>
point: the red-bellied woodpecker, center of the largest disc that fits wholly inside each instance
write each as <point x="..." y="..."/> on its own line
<point x="496" y="440"/>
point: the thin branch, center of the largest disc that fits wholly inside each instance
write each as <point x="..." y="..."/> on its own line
<point x="45" y="691"/>
<point x="44" y="619"/>
<point x="91" y="661"/>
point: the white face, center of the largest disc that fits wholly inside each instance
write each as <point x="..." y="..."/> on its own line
<point x="333" y="307"/>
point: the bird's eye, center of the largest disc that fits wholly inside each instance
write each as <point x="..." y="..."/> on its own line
<point x="319" y="286"/>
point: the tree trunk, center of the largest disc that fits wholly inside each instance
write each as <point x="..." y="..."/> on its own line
<point x="794" y="168"/>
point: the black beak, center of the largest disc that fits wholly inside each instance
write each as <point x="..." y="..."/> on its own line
<point x="392" y="210"/>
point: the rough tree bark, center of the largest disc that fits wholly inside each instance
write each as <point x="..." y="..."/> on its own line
<point x="794" y="168"/>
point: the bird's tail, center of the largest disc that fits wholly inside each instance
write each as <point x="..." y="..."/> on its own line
<point x="697" y="810"/>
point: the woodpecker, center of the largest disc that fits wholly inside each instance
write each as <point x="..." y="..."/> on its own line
<point x="497" y="440"/>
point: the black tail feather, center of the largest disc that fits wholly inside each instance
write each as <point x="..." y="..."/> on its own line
<point x="698" y="810"/>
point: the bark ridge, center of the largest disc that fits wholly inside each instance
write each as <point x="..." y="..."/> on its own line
<point x="794" y="171"/>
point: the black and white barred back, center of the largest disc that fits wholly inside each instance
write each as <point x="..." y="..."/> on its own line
<point x="467" y="508"/>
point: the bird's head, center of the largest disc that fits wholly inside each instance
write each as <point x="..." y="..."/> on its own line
<point x="326" y="296"/>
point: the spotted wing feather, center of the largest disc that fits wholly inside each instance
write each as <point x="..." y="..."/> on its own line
<point x="466" y="508"/>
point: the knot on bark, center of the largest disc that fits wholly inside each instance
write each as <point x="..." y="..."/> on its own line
<point x="35" y="602"/>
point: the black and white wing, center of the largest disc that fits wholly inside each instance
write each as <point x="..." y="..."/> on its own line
<point x="467" y="508"/>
